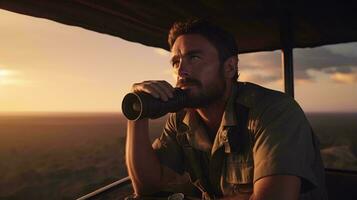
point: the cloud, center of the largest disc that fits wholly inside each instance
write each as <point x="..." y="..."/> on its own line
<point x="258" y="78"/>
<point x="260" y="68"/>
<point x="260" y="60"/>
<point x="322" y="58"/>
<point x="340" y="66"/>
<point x="344" y="78"/>
<point x="339" y="63"/>
<point x="342" y="69"/>
<point x="348" y="49"/>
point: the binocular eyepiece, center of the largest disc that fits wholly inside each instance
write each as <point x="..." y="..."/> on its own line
<point x="139" y="105"/>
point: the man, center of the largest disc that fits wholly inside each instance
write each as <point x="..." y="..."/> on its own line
<point x="235" y="141"/>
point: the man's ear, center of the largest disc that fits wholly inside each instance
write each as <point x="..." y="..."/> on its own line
<point x="230" y="67"/>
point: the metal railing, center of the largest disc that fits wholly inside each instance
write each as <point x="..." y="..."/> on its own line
<point x="107" y="188"/>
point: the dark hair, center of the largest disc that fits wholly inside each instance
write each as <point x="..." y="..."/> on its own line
<point x="223" y="41"/>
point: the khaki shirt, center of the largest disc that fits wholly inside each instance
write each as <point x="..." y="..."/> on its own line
<point x="278" y="140"/>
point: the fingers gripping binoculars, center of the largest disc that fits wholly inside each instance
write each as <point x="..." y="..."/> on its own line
<point x="139" y="105"/>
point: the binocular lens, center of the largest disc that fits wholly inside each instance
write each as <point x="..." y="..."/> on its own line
<point x="131" y="106"/>
<point x="139" y="105"/>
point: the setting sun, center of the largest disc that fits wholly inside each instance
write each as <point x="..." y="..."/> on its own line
<point x="5" y="76"/>
<point x="4" y="73"/>
<point x="11" y="77"/>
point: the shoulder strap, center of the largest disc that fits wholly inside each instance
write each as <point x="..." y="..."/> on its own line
<point x="237" y="135"/>
<point x="192" y="160"/>
<point x="194" y="167"/>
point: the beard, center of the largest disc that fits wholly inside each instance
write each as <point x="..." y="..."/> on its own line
<point x="202" y="96"/>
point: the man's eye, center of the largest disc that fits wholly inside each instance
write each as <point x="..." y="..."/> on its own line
<point x="194" y="58"/>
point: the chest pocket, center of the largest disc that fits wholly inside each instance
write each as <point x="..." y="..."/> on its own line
<point x="239" y="169"/>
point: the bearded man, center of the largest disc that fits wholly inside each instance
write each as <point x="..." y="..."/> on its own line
<point x="235" y="141"/>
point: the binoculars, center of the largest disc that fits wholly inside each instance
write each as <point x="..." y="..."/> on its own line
<point x="139" y="105"/>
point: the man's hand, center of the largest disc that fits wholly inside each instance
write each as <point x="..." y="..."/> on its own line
<point x="158" y="89"/>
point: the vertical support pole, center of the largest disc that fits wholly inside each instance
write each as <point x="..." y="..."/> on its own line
<point x="287" y="41"/>
<point x="288" y="70"/>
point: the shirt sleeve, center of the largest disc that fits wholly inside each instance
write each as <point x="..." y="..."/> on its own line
<point x="167" y="148"/>
<point x="284" y="142"/>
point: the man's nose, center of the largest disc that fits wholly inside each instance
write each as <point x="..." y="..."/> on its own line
<point x="182" y="69"/>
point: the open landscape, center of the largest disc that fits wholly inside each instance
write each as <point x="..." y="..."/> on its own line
<point x="65" y="156"/>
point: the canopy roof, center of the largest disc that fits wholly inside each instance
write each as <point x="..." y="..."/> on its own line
<point x="259" y="25"/>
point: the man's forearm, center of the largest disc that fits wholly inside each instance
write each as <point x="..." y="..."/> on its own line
<point x="143" y="165"/>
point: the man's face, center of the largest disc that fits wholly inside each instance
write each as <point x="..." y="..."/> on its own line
<point x="197" y="69"/>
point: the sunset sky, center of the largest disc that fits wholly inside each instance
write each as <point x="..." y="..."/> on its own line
<point x="46" y="66"/>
